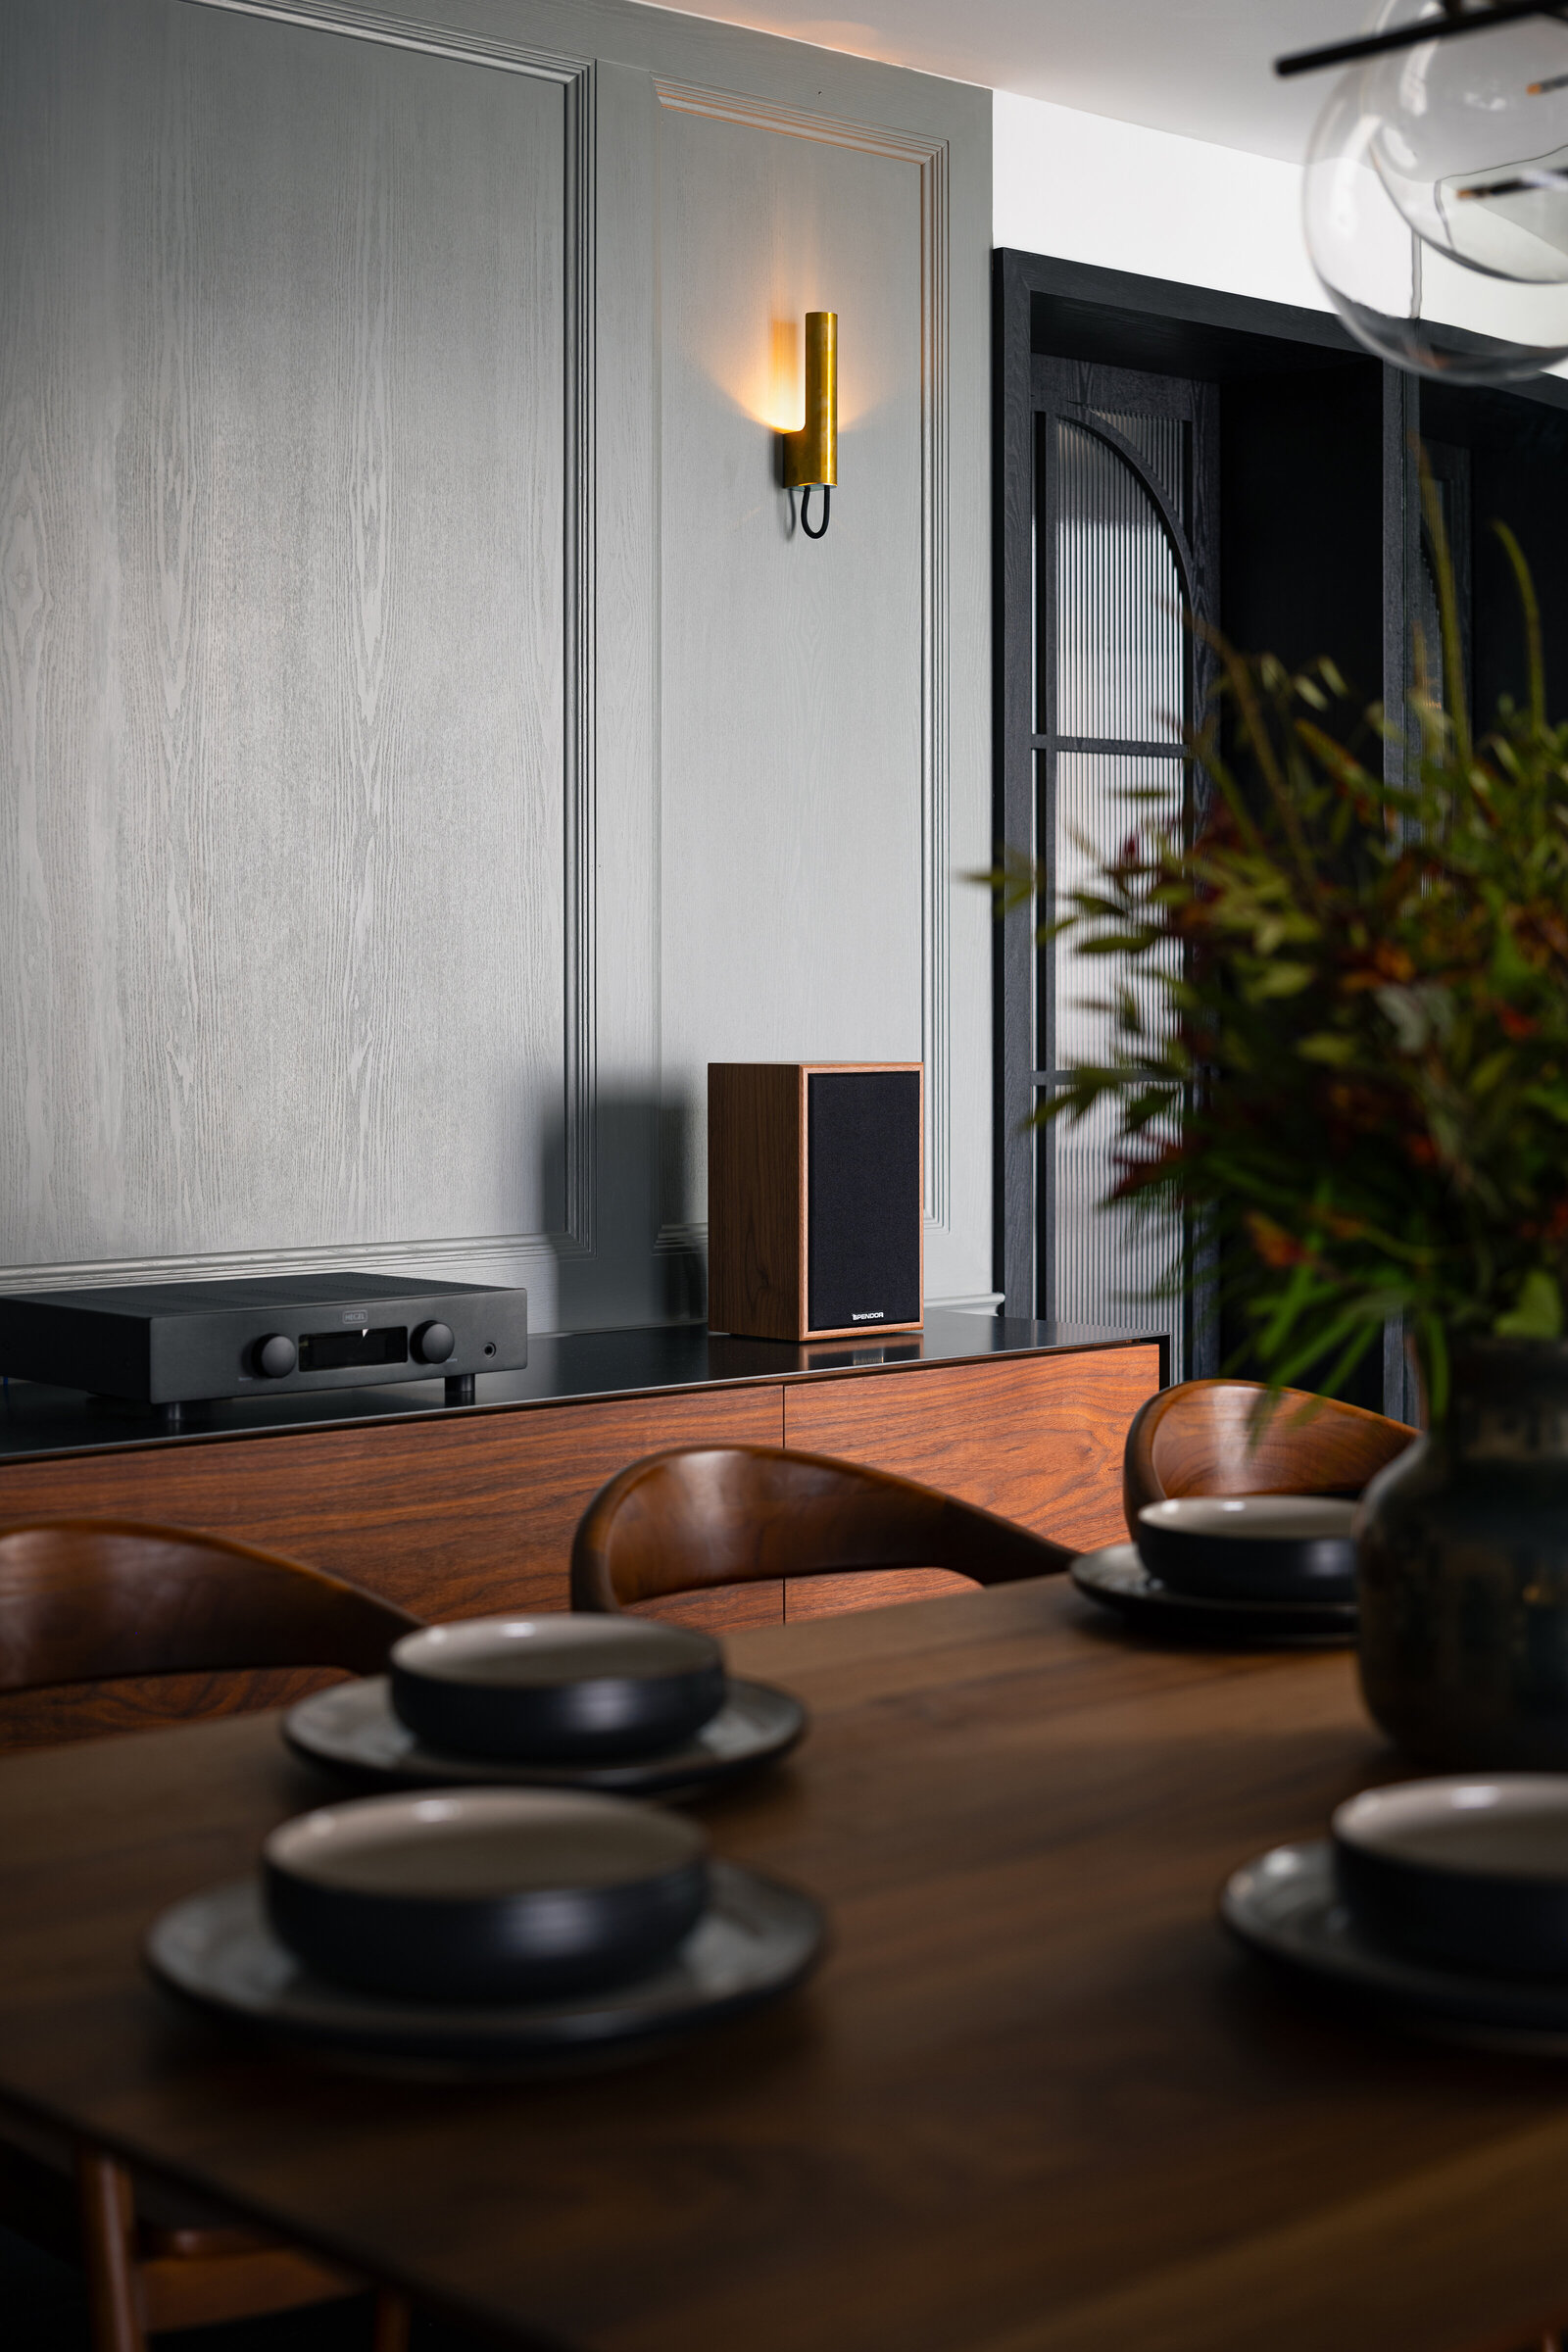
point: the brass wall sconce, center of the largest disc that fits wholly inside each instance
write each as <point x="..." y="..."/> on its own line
<point x="811" y="456"/>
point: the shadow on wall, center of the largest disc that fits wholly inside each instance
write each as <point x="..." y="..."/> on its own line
<point x="641" y="1265"/>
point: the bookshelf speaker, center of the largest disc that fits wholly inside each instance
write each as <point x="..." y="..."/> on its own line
<point x="815" y="1197"/>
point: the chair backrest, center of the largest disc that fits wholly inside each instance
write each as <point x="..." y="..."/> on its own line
<point x="85" y="1600"/>
<point x="1201" y="1438"/>
<point x="702" y="1515"/>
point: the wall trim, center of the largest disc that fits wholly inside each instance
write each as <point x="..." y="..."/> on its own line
<point x="931" y="159"/>
<point x="579" y="978"/>
<point x="936" y="751"/>
<point x="576" y="76"/>
<point x="364" y="1258"/>
<point x="762" y="114"/>
<point x="410" y="32"/>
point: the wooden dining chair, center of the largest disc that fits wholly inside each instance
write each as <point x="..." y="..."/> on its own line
<point x="704" y="1515"/>
<point x="1201" y="1438"/>
<point x="87" y="1600"/>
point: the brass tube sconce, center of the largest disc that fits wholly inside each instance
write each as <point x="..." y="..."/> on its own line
<point x="811" y="456"/>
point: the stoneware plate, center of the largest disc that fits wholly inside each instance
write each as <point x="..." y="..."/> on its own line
<point x="1467" y="1873"/>
<point x="756" y="1940"/>
<point x="351" y="1731"/>
<point x="1118" y="1580"/>
<point x="1252" y="1547"/>
<point x="564" y="1688"/>
<point x="1285" y="1907"/>
<point x="484" y="1894"/>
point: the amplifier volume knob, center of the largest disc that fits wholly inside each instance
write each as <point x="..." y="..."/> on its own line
<point x="433" y="1342"/>
<point x="276" y="1355"/>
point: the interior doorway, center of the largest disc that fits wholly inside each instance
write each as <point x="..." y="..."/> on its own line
<point x="1159" y="444"/>
<point x="1125" y="493"/>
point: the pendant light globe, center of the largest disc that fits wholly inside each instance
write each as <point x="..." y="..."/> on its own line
<point x="1437" y="199"/>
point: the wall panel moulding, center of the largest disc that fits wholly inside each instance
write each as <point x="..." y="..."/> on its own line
<point x="414" y="765"/>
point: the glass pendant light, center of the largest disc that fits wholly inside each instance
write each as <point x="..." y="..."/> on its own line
<point x="1436" y="197"/>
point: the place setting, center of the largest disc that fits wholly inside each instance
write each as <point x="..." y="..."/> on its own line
<point x="614" y="1705"/>
<point x="1441" y="1905"/>
<point x="1254" y="1570"/>
<point x="510" y="1897"/>
<point x="486" y="1928"/>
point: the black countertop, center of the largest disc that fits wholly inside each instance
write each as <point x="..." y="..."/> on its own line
<point x="563" y="1368"/>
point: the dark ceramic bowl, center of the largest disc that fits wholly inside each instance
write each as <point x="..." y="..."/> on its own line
<point x="560" y="1689"/>
<point x="1469" y="1873"/>
<point x="1252" y="1547"/>
<point x="502" y="1896"/>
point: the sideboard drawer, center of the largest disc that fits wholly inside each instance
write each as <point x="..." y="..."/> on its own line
<point x="1038" y="1438"/>
<point x="447" y="1518"/>
<point x="455" y="1517"/>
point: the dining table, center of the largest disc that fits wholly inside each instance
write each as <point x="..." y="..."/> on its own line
<point x="1033" y="2096"/>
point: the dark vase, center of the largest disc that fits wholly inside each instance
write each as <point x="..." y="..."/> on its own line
<point x="1463" y="1570"/>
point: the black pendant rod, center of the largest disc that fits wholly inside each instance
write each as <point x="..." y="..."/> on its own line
<point x="1413" y="37"/>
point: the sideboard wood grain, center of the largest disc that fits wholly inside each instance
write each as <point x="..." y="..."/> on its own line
<point x="1037" y="1438"/>
<point x="447" y="1518"/>
<point x="455" y="1517"/>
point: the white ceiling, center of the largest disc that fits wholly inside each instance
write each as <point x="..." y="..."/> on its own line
<point x="1201" y="66"/>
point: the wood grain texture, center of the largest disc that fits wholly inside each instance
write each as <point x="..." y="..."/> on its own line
<point x="832" y="1595"/>
<point x="149" y="1624"/>
<point x="757" y="1199"/>
<point x="84" y="1599"/>
<point x="1033" y="2100"/>
<point x="142" y="1703"/>
<point x="281" y="760"/>
<point x="701" y="1517"/>
<point x="1201" y="1438"/>
<point x="445" y="1519"/>
<point x="292" y="457"/>
<point x="770" y="642"/>
<point x="451" y="1519"/>
<point x="1038" y="1438"/>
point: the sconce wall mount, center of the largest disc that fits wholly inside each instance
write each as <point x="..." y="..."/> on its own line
<point x="811" y="456"/>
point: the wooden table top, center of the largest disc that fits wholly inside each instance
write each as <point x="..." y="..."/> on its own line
<point x="1033" y="2097"/>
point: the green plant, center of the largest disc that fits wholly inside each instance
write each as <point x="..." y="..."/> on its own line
<point x="1357" y="1086"/>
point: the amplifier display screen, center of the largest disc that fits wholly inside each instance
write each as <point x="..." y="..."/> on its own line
<point x="343" y="1351"/>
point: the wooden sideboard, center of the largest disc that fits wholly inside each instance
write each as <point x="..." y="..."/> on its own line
<point x="454" y="1514"/>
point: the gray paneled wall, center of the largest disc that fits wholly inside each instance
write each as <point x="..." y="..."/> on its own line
<point x="792" y="694"/>
<point x="423" y="742"/>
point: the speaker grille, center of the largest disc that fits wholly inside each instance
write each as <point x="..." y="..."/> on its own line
<point x="864" y="1205"/>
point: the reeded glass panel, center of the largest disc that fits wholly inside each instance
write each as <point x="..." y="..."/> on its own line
<point x="1162" y="443"/>
<point x="1108" y="1267"/>
<point x="1426" y="648"/>
<point x="1101" y="800"/>
<point x="1121" y="668"/>
<point x="1120" y="645"/>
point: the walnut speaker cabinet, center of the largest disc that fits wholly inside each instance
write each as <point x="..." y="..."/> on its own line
<point x="815" y="1197"/>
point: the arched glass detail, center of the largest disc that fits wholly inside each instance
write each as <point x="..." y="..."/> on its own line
<point x="1114" y="682"/>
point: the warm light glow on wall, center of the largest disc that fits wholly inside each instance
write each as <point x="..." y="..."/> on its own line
<point x="762" y="371"/>
<point x="765" y="382"/>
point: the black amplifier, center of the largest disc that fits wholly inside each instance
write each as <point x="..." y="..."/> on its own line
<point x="171" y="1344"/>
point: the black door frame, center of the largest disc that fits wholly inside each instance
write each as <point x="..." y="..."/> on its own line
<point x="1076" y="311"/>
<point x="1080" y="393"/>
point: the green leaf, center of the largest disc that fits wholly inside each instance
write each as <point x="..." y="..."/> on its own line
<point x="1539" y="1312"/>
<point x="1280" y="979"/>
<point x="1326" y="1045"/>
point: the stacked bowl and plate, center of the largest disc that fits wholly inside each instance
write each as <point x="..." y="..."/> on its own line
<point x="1440" y="1904"/>
<point x="1256" y="1569"/>
<point x="496" y="1905"/>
